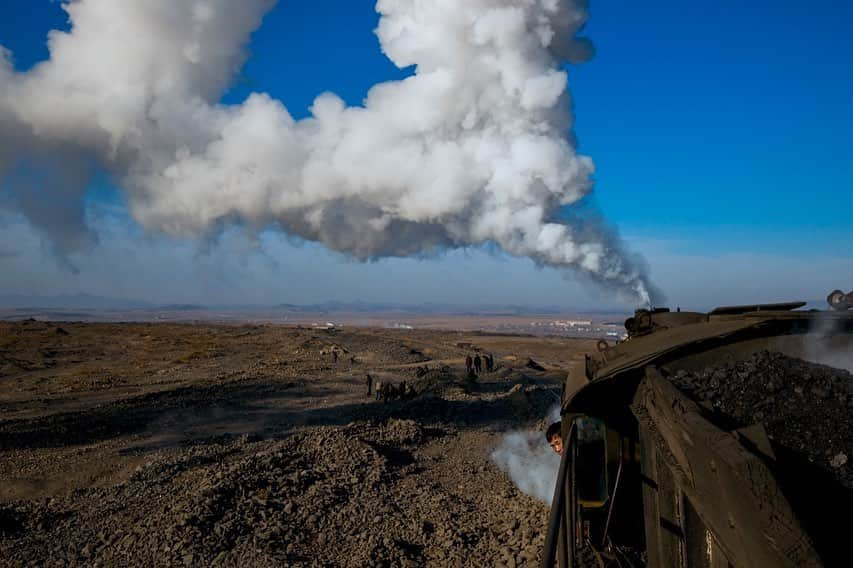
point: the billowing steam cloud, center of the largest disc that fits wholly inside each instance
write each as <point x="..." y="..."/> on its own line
<point x="473" y="148"/>
<point x="530" y="461"/>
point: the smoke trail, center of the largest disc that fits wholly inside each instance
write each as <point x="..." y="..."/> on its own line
<point x="530" y="461"/>
<point x="473" y="148"/>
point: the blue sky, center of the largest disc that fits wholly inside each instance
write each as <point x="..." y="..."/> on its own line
<point x="728" y="120"/>
<point x="721" y="133"/>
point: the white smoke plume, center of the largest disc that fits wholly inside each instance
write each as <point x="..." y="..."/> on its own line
<point x="530" y="461"/>
<point x="474" y="148"/>
<point x="827" y="344"/>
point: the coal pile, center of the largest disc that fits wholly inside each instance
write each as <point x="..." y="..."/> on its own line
<point x="805" y="407"/>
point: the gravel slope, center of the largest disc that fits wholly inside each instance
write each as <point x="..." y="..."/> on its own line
<point x="250" y="446"/>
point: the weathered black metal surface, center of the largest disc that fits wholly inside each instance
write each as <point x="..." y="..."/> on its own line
<point x="731" y="490"/>
<point x="708" y="495"/>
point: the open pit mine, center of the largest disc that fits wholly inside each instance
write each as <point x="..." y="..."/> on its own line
<point x="703" y="439"/>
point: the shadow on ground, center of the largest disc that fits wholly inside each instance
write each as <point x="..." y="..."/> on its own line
<point x="267" y="409"/>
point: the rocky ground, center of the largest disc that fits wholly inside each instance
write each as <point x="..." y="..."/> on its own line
<point x="257" y="445"/>
<point x="251" y="445"/>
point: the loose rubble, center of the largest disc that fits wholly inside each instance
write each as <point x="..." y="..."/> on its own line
<point x="344" y="496"/>
<point x="151" y="468"/>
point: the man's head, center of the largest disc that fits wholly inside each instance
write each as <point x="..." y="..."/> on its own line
<point x="554" y="435"/>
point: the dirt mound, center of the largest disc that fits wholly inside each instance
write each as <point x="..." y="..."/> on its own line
<point x="804" y="406"/>
<point x="335" y="496"/>
<point x="437" y="381"/>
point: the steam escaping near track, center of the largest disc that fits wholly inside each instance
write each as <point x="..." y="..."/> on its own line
<point x="530" y="461"/>
<point x="826" y="344"/>
<point x="473" y="148"/>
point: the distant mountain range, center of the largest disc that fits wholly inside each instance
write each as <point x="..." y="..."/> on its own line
<point x="358" y="307"/>
<point x="92" y="302"/>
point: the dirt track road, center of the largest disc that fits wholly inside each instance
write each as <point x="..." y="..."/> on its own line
<point x="141" y="444"/>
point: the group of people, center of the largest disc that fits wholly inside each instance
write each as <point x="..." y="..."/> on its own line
<point x="474" y="365"/>
<point x="388" y="391"/>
